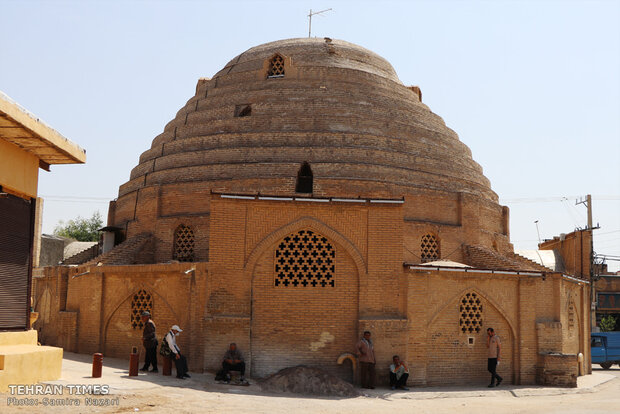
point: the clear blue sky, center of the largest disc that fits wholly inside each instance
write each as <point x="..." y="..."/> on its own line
<point x="532" y="87"/>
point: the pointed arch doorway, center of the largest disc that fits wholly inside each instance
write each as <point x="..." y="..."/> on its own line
<point x="304" y="305"/>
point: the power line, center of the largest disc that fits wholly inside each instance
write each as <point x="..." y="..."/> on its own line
<point x="557" y="198"/>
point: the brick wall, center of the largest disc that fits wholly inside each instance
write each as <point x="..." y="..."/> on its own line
<point x="233" y="298"/>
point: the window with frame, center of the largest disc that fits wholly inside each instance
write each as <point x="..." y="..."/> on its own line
<point x="429" y="248"/>
<point x="141" y="301"/>
<point x="184" y="244"/>
<point x="276" y="67"/>
<point x="470" y="312"/>
<point x="305" y="259"/>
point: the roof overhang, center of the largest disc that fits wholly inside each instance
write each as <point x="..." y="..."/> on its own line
<point x="22" y="128"/>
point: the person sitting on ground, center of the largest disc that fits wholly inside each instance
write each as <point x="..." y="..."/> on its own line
<point x="233" y="361"/>
<point x="179" y="360"/>
<point x="398" y="374"/>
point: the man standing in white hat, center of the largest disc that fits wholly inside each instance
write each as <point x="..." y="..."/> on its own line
<point x="179" y="360"/>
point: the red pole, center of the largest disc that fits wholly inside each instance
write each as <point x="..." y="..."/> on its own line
<point x="97" y="365"/>
<point x="134" y="360"/>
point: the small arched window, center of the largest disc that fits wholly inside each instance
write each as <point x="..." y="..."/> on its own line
<point x="141" y="301"/>
<point x="429" y="248"/>
<point x="184" y="244"/>
<point x="276" y="67"/>
<point x="470" y="312"/>
<point x="304" y="179"/>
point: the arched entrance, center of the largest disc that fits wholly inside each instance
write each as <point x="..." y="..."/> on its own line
<point x="457" y="351"/>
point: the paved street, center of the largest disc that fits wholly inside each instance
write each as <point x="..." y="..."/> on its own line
<point x="597" y="393"/>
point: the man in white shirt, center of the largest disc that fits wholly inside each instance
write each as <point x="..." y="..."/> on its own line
<point x="179" y="360"/>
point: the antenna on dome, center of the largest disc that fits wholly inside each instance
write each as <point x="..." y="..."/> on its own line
<point x="310" y="19"/>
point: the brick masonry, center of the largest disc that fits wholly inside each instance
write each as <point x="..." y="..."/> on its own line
<point x="342" y="109"/>
<point x="233" y="298"/>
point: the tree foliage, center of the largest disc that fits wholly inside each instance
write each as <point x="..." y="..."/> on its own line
<point x="608" y="323"/>
<point x="80" y="229"/>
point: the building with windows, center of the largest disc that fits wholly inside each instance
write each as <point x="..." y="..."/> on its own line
<point x="302" y="196"/>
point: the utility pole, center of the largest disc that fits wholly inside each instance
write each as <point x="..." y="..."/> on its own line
<point x="588" y="203"/>
<point x="310" y="19"/>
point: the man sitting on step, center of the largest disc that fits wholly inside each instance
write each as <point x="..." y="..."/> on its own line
<point x="179" y="360"/>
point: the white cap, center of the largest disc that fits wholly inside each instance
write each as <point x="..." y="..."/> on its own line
<point x="176" y="328"/>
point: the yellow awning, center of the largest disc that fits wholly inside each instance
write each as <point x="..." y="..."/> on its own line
<point x="25" y="130"/>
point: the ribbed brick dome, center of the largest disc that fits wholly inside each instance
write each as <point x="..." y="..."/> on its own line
<point x="338" y="107"/>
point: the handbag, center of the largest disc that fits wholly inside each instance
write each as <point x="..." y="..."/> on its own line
<point x="164" y="349"/>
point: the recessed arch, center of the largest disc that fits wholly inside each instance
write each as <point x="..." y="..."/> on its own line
<point x="128" y="297"/>
<point x="443" y="341"/>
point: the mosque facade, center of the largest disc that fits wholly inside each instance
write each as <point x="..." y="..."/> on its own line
<point x="302" y="196"/>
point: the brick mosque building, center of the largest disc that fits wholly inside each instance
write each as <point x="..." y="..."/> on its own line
<point x="302" y="196"/>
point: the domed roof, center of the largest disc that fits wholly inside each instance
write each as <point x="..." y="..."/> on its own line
<point x="313" y="52"/>
<point x="329" y="103"/>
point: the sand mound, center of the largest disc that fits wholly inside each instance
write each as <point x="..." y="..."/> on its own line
<point x="306" y="380"/>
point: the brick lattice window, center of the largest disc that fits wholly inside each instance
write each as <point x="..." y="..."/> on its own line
<point x="276" y="67"/>
<point x="141" y="301"/>
<point x="429" y="248"/>
<point x="184" y="244"/>
<point x="470" y="311"/>
<point x="305" y="259"/>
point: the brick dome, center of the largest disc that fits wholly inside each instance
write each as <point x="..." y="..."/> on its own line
<point x="338" y="107"/>
<point x="310" y="117"/>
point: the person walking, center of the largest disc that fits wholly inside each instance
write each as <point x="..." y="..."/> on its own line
<point x="366" y="354"/>
<point x="495" y="347"/>
<point x="149" y="341"/>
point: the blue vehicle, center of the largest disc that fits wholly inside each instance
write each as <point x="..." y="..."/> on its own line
<point x="605" y="348"/>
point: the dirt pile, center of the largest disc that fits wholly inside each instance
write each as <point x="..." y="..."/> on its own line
<point x="306" y="380"/>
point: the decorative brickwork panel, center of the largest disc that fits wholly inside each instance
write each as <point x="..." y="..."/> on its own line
<point x="305" y="259"/>
<point x="470" y="314"/>
<point x="429" y="248"/>
<point x="184" y="244"/>
<point x="571" y="315"/>
<point x="276" y="67"/>
<point x="141" y="301"/>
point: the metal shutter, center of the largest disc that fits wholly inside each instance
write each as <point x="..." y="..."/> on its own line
<point x="16" y="215"/>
